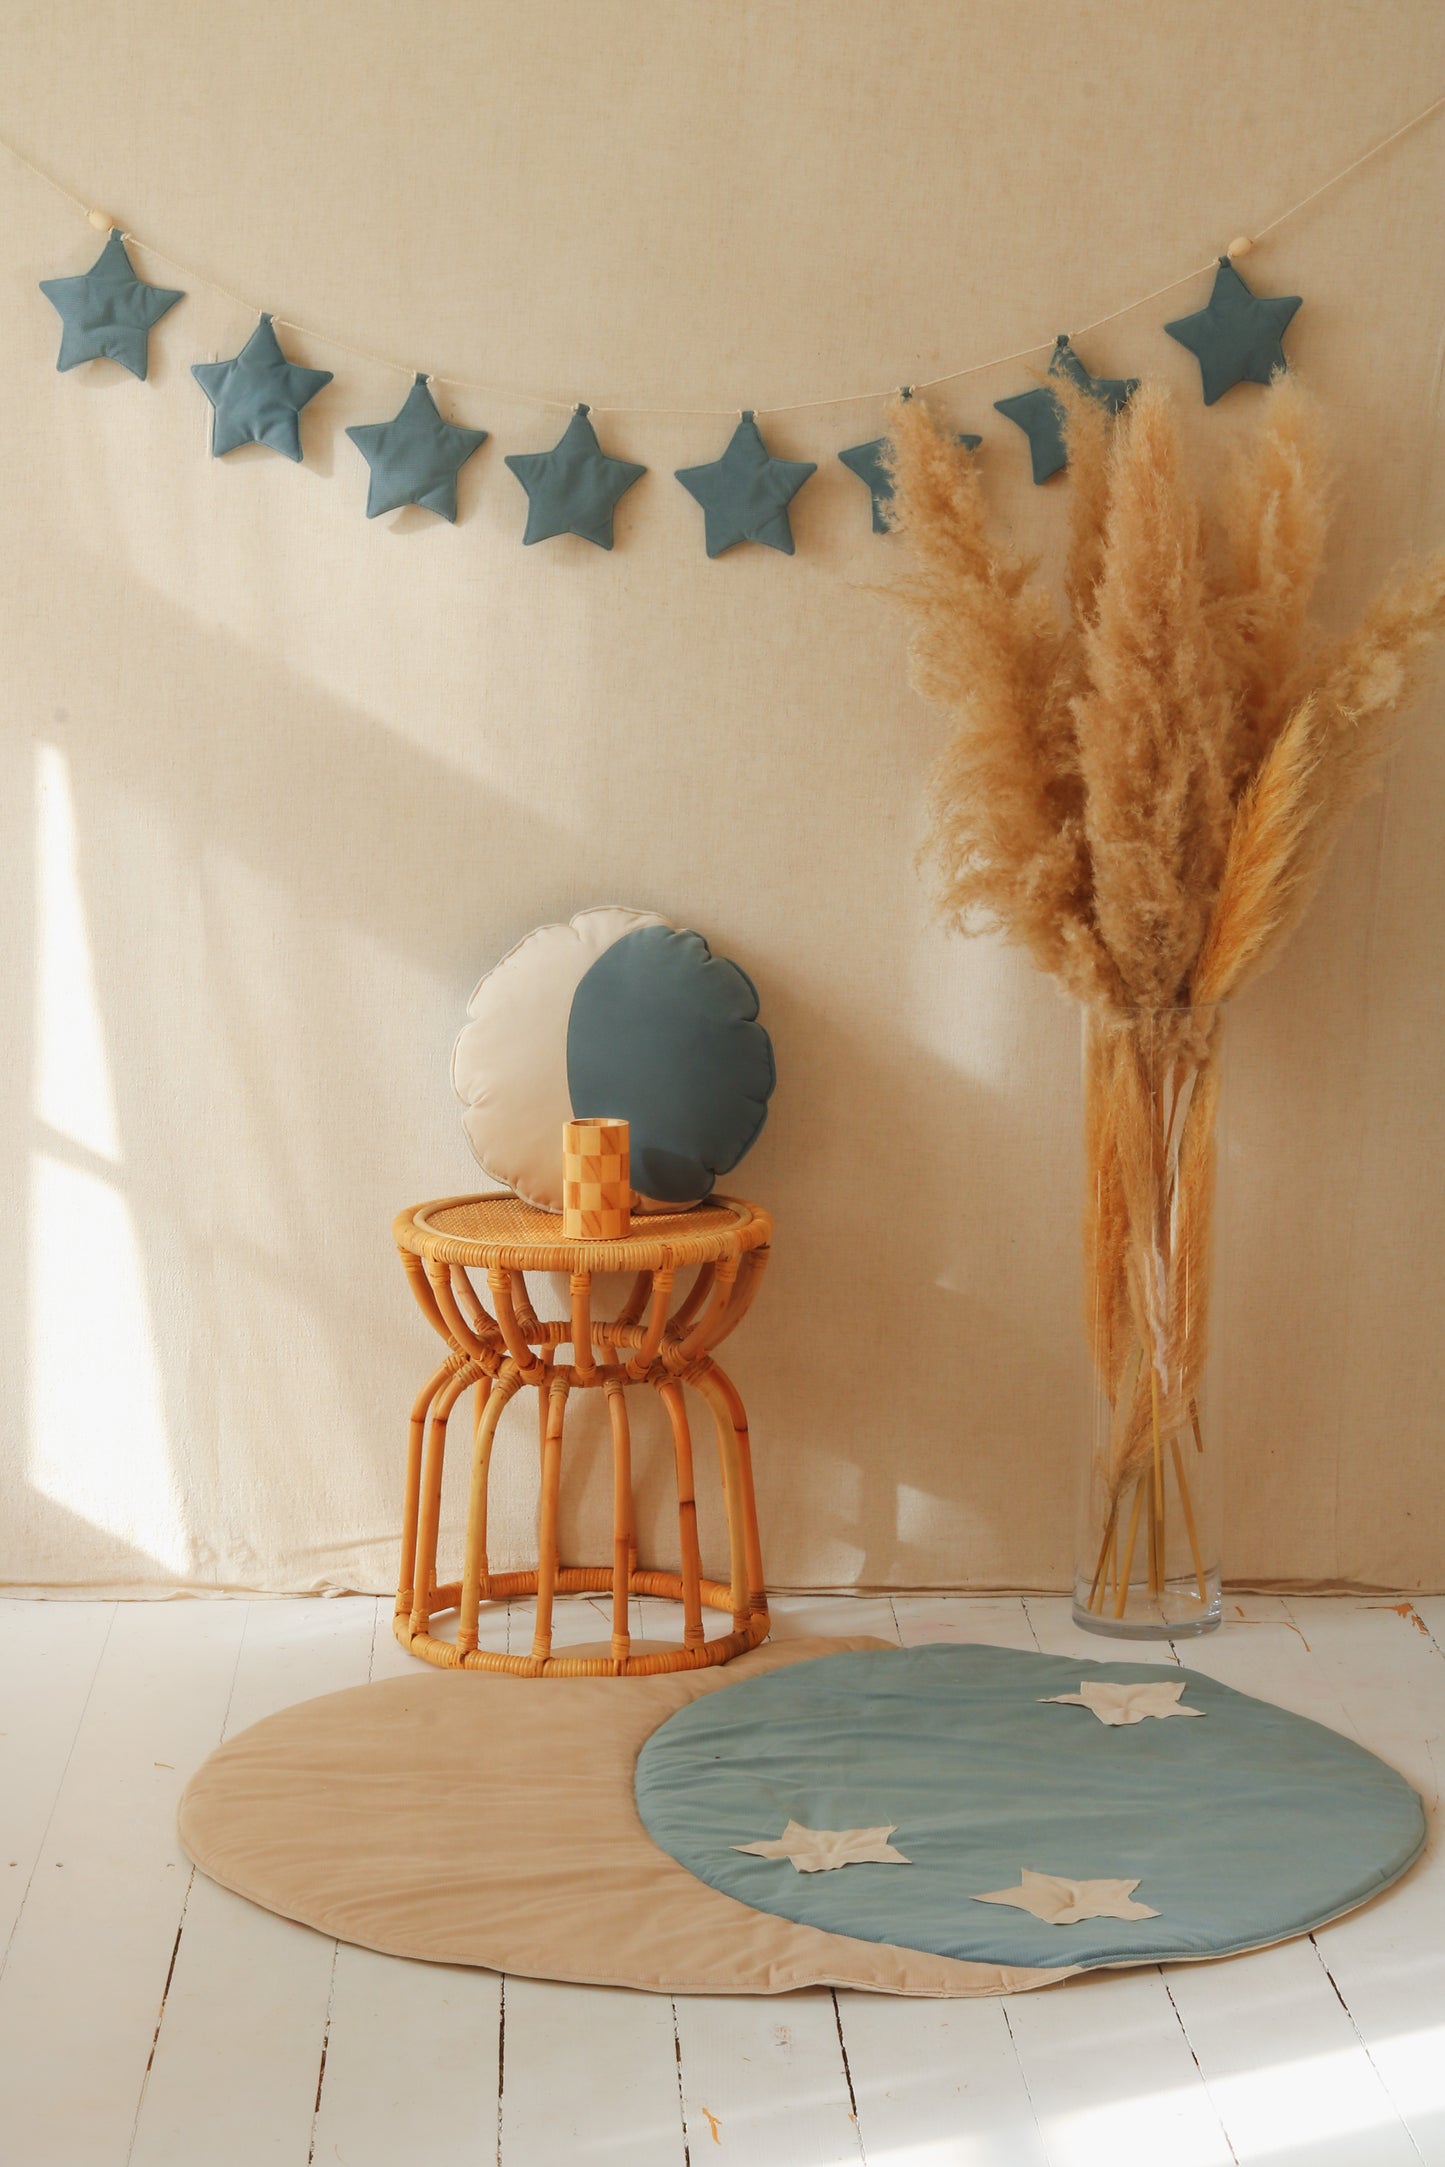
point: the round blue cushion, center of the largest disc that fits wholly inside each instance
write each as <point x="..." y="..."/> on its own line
<point x="664" y="1035"/>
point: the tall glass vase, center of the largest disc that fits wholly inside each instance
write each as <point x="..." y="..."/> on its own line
<point x="1149" y="1525"/>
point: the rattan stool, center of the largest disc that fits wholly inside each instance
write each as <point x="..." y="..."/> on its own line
<point x="499" y="1349"/>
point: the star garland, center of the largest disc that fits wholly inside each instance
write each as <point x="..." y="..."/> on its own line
<point x="108" y="313"/>
<point x="257" y="397"/>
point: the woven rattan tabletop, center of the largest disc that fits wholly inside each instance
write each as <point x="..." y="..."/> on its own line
<point x="501" y="1230"/>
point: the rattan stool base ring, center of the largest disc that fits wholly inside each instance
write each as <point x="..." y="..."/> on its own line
<point x="586" y="1580"/>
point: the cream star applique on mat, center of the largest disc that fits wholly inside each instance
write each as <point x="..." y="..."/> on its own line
<point x="823" y="1850"/>
<point x="1059" y="1902"/>
<point x="1114" y="1704"/>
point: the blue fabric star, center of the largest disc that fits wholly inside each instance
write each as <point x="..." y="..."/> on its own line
<point x="1040" y="414"/>
<point x="745" y="495"/>
<point x="416" y="456"/>
<point x="108" y="313"/>
<point x="575" y="487"/>
<point x="258" y="395"/>
<point x="1238" y="337"/>
<point x="866" y="461"/>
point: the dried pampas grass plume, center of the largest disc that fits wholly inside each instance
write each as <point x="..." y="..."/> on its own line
<point x="1328" y="756"/>
<point x="1152" y="720"/>
<point x="1273" y="511"/>
<point x="1149" y="780"/>
<point x="1270" y="869"/>
<point x="1006" y="830"/>
<point x="1142" y="789"/>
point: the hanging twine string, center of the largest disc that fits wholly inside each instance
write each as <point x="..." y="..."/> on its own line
<point x="1240" y="246"/>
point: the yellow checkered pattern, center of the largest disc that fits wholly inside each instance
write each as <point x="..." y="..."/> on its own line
<point x="596" y="1189"/>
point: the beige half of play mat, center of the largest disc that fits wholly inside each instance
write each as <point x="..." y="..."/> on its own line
<point x="467" y="1818"/>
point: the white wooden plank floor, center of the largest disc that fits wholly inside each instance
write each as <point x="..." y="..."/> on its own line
<point x="149" y="2019"/>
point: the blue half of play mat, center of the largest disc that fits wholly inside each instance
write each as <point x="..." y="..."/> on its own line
<point x="1242" y="1828"/>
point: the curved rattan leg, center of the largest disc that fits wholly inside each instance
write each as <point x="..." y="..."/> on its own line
<point x="631" y="1518"/>
<point x="543" y="1396"/>
<point x="752" y="1543"/>
<point x="670" y="1393"/>
<point x="429" y="1517"/>
<point x="475" y="1574"/>
<point x="547" y="1529"/>
<point x="411" y="1502"/>
<point x="622" y="1538"/>
<point x="730" y="1466"/>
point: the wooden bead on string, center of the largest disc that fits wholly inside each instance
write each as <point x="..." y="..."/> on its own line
<point x="1239" y="246"/>
<point x="102" y="221"/>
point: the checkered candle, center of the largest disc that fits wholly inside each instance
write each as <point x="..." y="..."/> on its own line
<point x="596" y="1188"/>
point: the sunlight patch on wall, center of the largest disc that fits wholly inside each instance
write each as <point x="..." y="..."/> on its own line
<point x="959" y="998"/>
<point x="98" y="1443"/>
<point x="97" y="1422"/>
<point x="924" y="1518"/>
<point x="73" y="1094"/>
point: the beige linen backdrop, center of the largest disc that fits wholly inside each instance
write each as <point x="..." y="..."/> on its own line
<point x="279" y="782"/>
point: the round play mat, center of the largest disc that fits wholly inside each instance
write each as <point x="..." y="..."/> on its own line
<point x="947" y="1821"/>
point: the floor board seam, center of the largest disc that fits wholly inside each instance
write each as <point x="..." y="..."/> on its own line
<point x="681" y="2086"/>
<point x="325" y="2046"/>
<point x="140" y="2098"/>
<point x="1023" y="2072"/>
<point x="1204" y="2081"/>
<point x="181" y="1921"/>
<point x="1364" y="2046"/>
<point x="371" y="1659"/>
<point x="501" y="2056"/>
<point x="59" y="1787"/>
<point x="848" y="2075"/>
